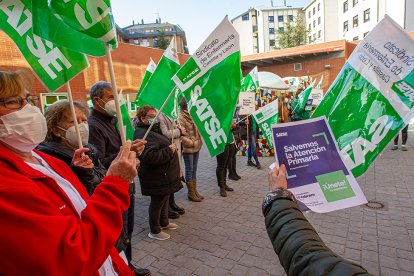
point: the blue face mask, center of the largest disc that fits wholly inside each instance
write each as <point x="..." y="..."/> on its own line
<point x="153" y="119"/>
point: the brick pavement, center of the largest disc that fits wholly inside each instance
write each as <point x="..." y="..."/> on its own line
<point x="226" y="236"/>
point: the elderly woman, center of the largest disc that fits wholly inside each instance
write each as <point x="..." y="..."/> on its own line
<point x="49" y="224"/>
<point x="61" y="141"/>
<point x="159" y="173"/>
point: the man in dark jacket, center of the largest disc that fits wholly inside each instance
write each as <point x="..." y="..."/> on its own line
<point x="299" y="247"/>
<point x="104" y="135"/>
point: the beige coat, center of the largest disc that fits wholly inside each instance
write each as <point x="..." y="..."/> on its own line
<point x="192" y="141"/>
<point x="170" y="129"/>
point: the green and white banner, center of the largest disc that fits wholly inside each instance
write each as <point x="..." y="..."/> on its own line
<point x="372" y="98"/>
<point x="250" y="83"/>
<point x="210" y="81"/>
<point x="80" y="25"/>
<point x="53" y="65"/>
<point x="265" y="117"/>
<point x="160" y="85"/>
<point x="303" y="97"/>
<point x="126" y="119"/>
<point x="148" y="73"/>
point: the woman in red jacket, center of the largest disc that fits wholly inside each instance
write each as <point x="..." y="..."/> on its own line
<point x="49" y="224"/>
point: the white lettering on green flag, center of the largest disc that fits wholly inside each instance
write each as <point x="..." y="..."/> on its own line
<point x="52" y="64"/>
<point x="210" y="81"/>
<point x="371" y="100"/>
<point x="80" y="25"/>
<point x="250" y="83"/>
<point x="265" y="117"/>
<point x="160" y="85"/>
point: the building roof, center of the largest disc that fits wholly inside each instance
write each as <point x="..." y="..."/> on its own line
<point x="140" y="30"/>
<point x="285" y="55"/>
<point x="308" y="5"/>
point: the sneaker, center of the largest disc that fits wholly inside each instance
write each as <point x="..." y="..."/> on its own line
<point x="161" y="236"/>
<point x="170" y="226"/>
<point x="258" y="166"/>
<point x="395" y="147"/>
<point x="251" y="164"/>
<point x="404" y="148"/>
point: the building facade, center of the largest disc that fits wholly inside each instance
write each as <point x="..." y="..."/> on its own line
<point x="147" y="35"/>
<point x="321" y="21"/>
<point x="357" y="17"/>
<point x="259" y="28"/>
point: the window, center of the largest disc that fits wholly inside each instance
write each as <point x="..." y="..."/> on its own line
<point x="271" y="30"/>
<point x="319" y="6"/>
<point x="310" y="39"/>
<point x="355" y="38"/>
<point x="155" y="42"/>
<point x="345" y="6"/>
<point x="136" y="42"/>
<point x="319" y="34"/>
<point x="310" y="26"/>
<point x="280" y="18"/>
<point x="297" y="67"/>
<point x="355" y="21"/>
<point x="145" y="42"/>
<point x="346" y="26"/>
<point x="319" y="20"/>
<point x="309" y="14"/>
<point x="314" y="23"/>
<point x="365" y="34"/>
<point x="271" y="18"/>
<point x="290" y="17"/>
<point x="281" y="29"/>
<point x="313" y="10"/>
<point x="271" y="42"/>
<point x="245" y="17"/>
<point x="314" y="36"/>
<point x="354" y="2"/>
<point x="366" y="15"/>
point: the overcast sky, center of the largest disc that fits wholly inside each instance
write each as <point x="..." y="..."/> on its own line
<point x="197" y="18"/>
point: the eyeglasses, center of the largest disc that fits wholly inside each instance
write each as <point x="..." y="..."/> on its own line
<point x="16" y="102"/>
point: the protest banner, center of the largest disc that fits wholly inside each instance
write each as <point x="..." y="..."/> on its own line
<point x="316" y="95"/>
<point x="247" y="103"/>
<point x="54" y="65"/>
<point x="84" y="26"/>
<point x="160" y="85"/>
<point x="372" y="98"/>
<point x="250" y="82"/>
<point x="302" y="99"/>
<point x="265" y="117"/>
<point x="210" y="82"/>
<point x="316" y="173"/>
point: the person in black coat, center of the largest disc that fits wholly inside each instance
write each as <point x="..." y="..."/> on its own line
<point x="159" y="174"/>
<point x="300" y="249"/>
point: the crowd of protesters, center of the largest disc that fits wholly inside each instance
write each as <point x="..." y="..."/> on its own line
<point x="70" y="211"/>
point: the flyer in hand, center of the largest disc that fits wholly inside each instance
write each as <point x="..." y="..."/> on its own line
<point x="316" y="173"/>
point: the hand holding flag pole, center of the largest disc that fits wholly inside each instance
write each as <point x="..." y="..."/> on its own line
<point x="73" y="112"/>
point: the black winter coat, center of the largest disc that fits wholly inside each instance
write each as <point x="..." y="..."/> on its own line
<point x="300" y="249"/>
<point x="159" y="173"/>
<point x="90" y="178"/>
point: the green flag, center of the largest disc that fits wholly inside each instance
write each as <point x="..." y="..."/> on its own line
<point x="160" y="85"/>
<point x="148" y="73"/>
<point x="265" y="117"/>
<point x="372" y="98"/>
<point x="53" y="65"/>
<point x="126" y="119"/>
<point x="80" y="25"/>
<point x="303" y="98"/>
<point x="210" y="81"/>
<point x="250" y="83"/>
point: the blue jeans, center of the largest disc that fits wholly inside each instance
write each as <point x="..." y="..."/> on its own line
<point x="251" y="150"/>
<point x="191" y="162"/>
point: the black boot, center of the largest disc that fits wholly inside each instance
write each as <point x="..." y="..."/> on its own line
<point x="140" y="271"/>
<point x="174" y="206"/>
<point x="173" y="214"/>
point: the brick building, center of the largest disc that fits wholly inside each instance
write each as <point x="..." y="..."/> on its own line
<point x="130" y="62"/>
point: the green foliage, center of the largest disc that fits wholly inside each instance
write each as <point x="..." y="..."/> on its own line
<point x="295" y="34"/>
<point x="162" y="41"/>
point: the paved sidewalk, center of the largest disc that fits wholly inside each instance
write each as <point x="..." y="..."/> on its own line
<point x="226" y="236"/>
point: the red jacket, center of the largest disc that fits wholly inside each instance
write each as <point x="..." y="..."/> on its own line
<point x="40" y="231"/>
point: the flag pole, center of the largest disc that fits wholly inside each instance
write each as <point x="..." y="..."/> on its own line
<point x="73" y="112"/>
<point x="115" y="93"/>
<point x="158" y="113"/>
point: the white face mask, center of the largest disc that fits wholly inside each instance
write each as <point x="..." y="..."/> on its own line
<point x="110" y="108"/>
<point x="23" y="129"/>
<point x="71" y="136"/>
